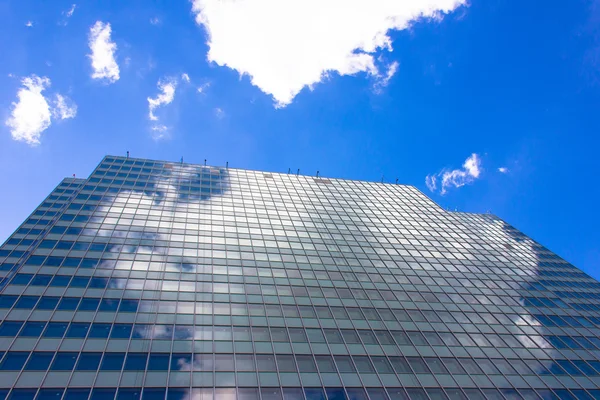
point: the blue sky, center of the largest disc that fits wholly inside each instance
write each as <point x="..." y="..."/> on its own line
<point x="359" y="89"/>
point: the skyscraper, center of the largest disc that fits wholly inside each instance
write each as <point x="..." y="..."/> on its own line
<point x="160" y="280"/>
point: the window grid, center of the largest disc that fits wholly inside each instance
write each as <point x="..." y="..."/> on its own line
<point x="280" y="286"/>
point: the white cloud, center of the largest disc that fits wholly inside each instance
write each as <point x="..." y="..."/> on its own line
<point x="185" y="77"/>
<point x="503" y="170"/>
<point x="64" y="108"/>
<point x="103" y="53"/>
<point x="431" y="182"/>
<point x="155" y="21"/>
<point x="167" y="88"/>
<point x="219" y="113"/>
<point x="69" y="13"/>
<point x="385" y="80"/>
<point x="472" y="166"/>
<point x="32" y="114"/>
<point x="29" y="24"/>
<point x="470" y="171"/>
<point x="160" y="132"/>
<point x="202" y="88"/>
<point x="287" y="45"/>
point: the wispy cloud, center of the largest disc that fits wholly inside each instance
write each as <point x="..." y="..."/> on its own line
<point x="32" y="113"/>
<point x="155" y="21"/>
<point x="385" y="80"/>
<point x="431" y="182"/>
<point x="29" y="24"/>
<point x="167" y="88"/>
<point x="71" y="10"/>
<point x="185" y="77"/>
<point x="64" y="108"/>
<point x="445" y="179"/>
<point x="160" y="132"/>
<point x="202" y="88"/>
<point x="219" y="113"/>
<point x="103" y="50"/>
<point x="285" y="46"/>
<point x="503" y="170"/>
<point x="67" y="14"/>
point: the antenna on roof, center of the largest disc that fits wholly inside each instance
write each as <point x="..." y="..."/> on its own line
<point x="73" y="175"/>
<point x="127" y="153"/>
<point x="289" y="170"/>
<point x="205" y="162"/>
<point x="381" y="178"/>
<point x="317" y="174"/>
<point x="298" y="172"/>
<point x="227" y="164"/>
<point x="182" y="159"/>
<point x="396" y="181"/>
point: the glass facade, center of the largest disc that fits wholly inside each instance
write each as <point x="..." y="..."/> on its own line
<point x="169" y="281"/>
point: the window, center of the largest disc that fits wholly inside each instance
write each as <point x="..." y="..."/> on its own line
<point x="10" y="328"/>
<point x="26" y="302"/>
<point x="382" y="365"/>
<point x="48" y="303"/>
<point x="325" y="364"/>
<point x="60" y="281"/>
<point x="88" y="361"/>
<point x="77" y="394"/>
<point x="89" y="304"/>
<point x="22" y="394"/>
<point x="49" y="394"/>
<point x="363" y="364"/>
<point x="68" y="303"/>
<point x="14" y="361"/>
<point x="136" y="361"/>
<point x="33" y="329"/>
<point x="264" y="363"/>
<point x="367" y="337"/>
<point x="39" y="361"/>
<point x="103" y="394"/>
<point x="159" y="362"/>
<point x="344" y="364"/>
<point x="121" y="331"/>
<point x="64" y="361"/>
<point x="55" y="329"/>
<point x="279" y="335"/>
<point x="306" y="364"/>
<point x="183" y="362"/>
<point x="112" y="361"/>
<point x="129" y="393"/>
<point x="400" y="365"/>
<point x="99" y="330"/>
<point x="109" y="305"/>
<point x="245" y="362"/>
<point x="333" y="336"/>
<point x="78" y="330"/>
<point x="436" y="366"/>
<point x="155" y="394"/>
<point x="7" y="301"/>
<point x="21" y="279"/>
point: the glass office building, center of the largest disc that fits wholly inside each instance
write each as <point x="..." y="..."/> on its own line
<point x="168" y="281"/>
